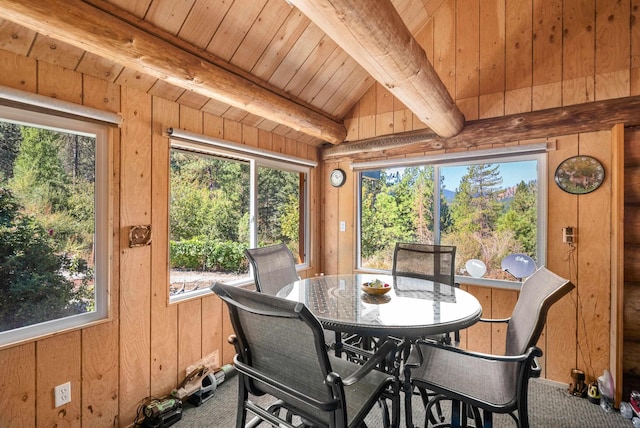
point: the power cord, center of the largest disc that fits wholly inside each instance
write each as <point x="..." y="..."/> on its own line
<point x="570" y="258"/>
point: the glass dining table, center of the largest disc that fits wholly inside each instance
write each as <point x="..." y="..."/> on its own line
<point x="412" y="308"/>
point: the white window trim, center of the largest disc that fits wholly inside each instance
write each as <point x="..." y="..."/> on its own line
<point x="197" y="143"/>
<point x="103" y="240"/>
<point x="40" y="103"/>
<point x="504" y="154"/>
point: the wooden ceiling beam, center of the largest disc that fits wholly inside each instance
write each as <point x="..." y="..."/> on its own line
<point x="374" y="34"/>
<point x="542" y="124"/>
<point x="82" y="25"/>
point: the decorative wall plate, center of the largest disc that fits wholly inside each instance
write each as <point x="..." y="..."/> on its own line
<point x="579" y="174"/>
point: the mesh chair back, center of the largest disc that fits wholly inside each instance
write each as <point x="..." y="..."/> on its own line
<point x="284" y="343"/>
<point x="426" y="261"/>
<point x="273" y="267"/>
<point x="538" y="293"/>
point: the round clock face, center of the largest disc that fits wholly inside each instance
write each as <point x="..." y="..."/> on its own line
<point x="579" y="174"/>
<point x="337" y="177"/>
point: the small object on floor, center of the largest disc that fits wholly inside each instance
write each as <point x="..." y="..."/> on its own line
<point x="577" y="386"/>
<point x="635" y="422"/>
<point x="161" y="413"/>
<point x="605" y="385"/>
<point x="625" y="410"/>
<point x="209" y="384"/>
<point x="593" y="393"/>
<point x="634" y="401"/>
<point x="205" y="392"/>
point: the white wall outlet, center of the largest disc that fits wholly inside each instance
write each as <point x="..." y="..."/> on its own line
<point x="62" y="394"/>
<point x="343" y="226"/>
<point x="568" y="235"/>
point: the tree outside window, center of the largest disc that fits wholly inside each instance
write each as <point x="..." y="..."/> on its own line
<point x="210" y="216"/>
<point x="487" y="210"/>
<point x="47" y="225"/>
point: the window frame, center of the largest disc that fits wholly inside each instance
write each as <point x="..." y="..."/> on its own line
<point x="103" y="219"/>
<point x="256" y="158"/>
<point x="508" y="154"/>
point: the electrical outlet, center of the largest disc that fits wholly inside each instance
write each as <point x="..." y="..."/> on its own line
<point x="62" y="394"/>
<point x="568" y="235"/>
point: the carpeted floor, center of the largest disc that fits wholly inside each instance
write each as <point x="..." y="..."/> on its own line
<point x="550" y="406"/>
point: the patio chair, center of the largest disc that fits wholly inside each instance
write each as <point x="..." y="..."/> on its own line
<point x="433" y="262"/>
<point x="273" y="267"/>
<point x="426" y="261"/>
<point x="280" y="351"/>
<point x="493" y="383"/>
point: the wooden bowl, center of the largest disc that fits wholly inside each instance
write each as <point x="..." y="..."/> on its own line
<point x="374" y="290"/>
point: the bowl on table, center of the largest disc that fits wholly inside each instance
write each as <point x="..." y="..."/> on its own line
<point x="375" y="287"/>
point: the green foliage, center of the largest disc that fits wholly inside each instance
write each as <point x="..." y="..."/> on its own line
<point x="381" y="225"/>
<point x="278" y="194"/>
<point x="483" y="220"/>
<point x="188" y="253"/>
<point x="39" y="178"/>
<point x="209" y="211"/>
<point x="226" y="257"/>
<point x="209" y="197"/>
<point x="200" y="253"/>
<point x="32" y="286"/>
<point x="521" y="217"/>
<point x="290" y="219"/>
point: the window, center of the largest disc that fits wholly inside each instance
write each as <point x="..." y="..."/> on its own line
<point x="53" y="224"/>
<point x="488" y="208"/>
<point x="223" y="200"/>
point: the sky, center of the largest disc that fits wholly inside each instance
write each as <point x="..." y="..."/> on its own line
<point x="512" y="173"/>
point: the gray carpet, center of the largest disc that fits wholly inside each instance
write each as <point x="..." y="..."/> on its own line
<point x="550" y="405"/>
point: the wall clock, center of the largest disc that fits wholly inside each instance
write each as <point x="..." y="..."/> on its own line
<point x="579" y="175"/>
<point x="337" y="177"/>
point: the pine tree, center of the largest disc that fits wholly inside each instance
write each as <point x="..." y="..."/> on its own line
<point x="39" y="179"/>
<point x="10" y="138"/>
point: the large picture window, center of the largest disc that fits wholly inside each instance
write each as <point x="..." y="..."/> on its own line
<point x="53" y="224"/>
<point x="223" y="202"/>
<point x="490" y="209"/>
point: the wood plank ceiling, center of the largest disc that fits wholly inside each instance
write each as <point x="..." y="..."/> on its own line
<point x="267" y="43"/>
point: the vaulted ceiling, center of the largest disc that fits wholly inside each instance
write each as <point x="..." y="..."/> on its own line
<point x="265" y="63"/>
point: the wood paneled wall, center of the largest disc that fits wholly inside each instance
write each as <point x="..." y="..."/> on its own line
<point x="509" y="58"/>
<point x="145" y="347"/>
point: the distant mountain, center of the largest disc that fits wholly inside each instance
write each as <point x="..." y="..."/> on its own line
<point x="504" y="196"/>
<point x="448" y="195"/>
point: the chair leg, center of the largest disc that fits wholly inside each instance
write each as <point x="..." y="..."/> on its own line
<point x="243" y="396"/>
<point x="487" y="419"/>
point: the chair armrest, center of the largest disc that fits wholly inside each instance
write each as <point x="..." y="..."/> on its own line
<point x="532" y="352"/>
<point x="380" y="355"/>
<point x="495" y="320"/>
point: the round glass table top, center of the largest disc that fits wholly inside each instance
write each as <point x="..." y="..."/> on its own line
<point x="412" y="308"/>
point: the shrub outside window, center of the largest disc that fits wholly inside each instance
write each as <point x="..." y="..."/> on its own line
<point x="223" y="202"/>
<point x="53" y="224"/>
<point x="489" y="209"/>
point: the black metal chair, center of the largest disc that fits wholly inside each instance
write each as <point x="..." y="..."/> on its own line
<point x="493" y="383"/>
<point x="281" y="352"/>
<point x="273" y="267"/>
<point x="427" y="261"/>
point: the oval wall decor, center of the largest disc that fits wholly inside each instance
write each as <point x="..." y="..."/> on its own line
<point x="579" y="174"/>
